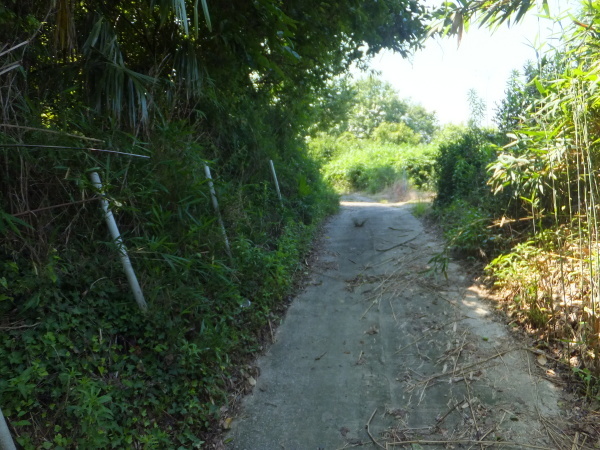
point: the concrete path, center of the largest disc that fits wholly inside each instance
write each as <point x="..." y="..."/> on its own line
<point x="377" y="353"/>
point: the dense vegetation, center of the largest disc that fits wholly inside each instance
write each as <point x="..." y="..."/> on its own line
<point x="172" y="85"/>
<point x="146" y="93"/>
<point x="368" y="138"/>
<point x="525" y="199"/>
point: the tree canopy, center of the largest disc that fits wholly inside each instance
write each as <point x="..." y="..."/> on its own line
<point x="131" y="61"/>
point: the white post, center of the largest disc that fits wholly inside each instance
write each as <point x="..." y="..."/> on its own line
<point x="276" y="182"/>
<point x="215" y="203"/>
<point x="116" y="236"/>
<point x="6" y="442"/>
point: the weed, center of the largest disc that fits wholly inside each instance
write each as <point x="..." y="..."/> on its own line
<point x="420" y="209"/>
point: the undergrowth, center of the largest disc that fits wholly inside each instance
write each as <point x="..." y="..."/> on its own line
<point x="527" y="203"/>
<point x="80" y="364"/>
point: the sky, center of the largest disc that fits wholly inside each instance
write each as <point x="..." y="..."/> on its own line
<point x="440" y="75"/>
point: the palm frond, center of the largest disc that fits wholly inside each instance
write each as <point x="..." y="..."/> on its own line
<point x="176" y="10"/>
<point x="114" y="87"/>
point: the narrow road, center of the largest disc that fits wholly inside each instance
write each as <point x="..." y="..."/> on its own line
<point x="377" y="352"/>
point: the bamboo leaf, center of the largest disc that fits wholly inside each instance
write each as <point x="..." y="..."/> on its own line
<point x="546" y="7"/>
<point x="525" y="6"/>
<point x="181" y="15"/>
<point x="540" y="87"/>
<point x="206" y="15"/>
<point x="456" y="22"/>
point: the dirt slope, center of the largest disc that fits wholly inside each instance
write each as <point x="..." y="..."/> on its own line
<point x="373" y="340"/>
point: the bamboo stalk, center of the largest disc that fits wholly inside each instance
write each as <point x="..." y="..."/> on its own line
<point x="66" y="147"/>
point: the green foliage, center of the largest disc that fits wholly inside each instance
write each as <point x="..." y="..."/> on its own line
<point x="466" y="229"/>
<point x="522" y="93"/>
<point x="395" y="133"/>
<point x="542" y="219"/>
<point x="590" y="382"/>
<point x="477" y="108"/>
<point x="449" y="133"/>
<point x="185" y="83"/>
<point x="364" y="165"/>
<point x="461" y="167"/>
<point x="143" y="62"/>
<point x="370" y="108"/>
<point x="454" y="17"/>
<point x="79" y="364"/>
<point x="420" y="209"/>
<point x="373" y="138"/>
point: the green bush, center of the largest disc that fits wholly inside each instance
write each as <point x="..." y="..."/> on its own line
<point x="365" y="165"/>
<point x="466" y="229"/>
<point x="395" y="133"/>
<point x="461" y="167"/>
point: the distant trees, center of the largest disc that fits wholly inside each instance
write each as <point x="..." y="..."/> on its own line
<point x="371" y="108"/>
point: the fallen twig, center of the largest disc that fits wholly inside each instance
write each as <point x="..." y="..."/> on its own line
<point x="397" y="245"/>
<point x="358" y="361"/>
<point x="465" y="441"/>
<point x="60" y="133"/>
<point x="429" y="331"/>
<point x="393" y="313"/>
<point x="468" y="366"/>
<point x="470" y="402"/>
<point x="319" y="357"/>
<point x="271" y="330"/>
<point x="369" y="431"/>
<point x="370" y="306"/>
<point x="19" y="326"/>
<point x="441" y="419"/>
<point x="62" y="205"/>
<point x="541" y="352"/>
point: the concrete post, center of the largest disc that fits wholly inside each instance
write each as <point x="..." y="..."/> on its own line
<point x="215" y="203"/>
<point x="116" y="236"/>
<point x="276" y="181"/>
<point x="6" y="442"/>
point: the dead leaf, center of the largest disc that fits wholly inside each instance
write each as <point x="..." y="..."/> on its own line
<point x="251" y="381"/>
<point x="542" y="360"/>
<point x="398" y="412"/>
<point x="320" y="356"/>
<point x="372" y="330"/>
<point x="227" y="423"/>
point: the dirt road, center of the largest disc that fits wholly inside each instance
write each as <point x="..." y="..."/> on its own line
<point x="375" y="352"/>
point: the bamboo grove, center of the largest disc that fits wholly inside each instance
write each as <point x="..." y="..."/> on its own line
<point x="525" y="199"/>
<point x="551" y="171"/>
